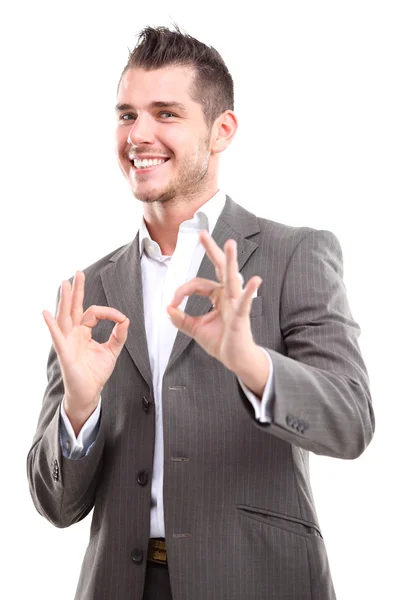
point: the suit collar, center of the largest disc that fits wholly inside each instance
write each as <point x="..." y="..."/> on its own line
<point x="204" y="218"/>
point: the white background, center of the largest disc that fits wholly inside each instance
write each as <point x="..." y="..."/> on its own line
<point x="317" y="98"/>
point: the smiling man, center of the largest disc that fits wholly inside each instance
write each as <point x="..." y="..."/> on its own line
<point x="178" y="127"/>
<point x="160" y="118"/>
<point x="182" y="404"/>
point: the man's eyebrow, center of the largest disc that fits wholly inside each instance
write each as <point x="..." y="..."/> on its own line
<point x="121" y="107"/>
<point x="155" y="104"/>
<point x="172" y="104"/>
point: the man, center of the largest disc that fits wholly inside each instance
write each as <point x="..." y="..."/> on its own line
<point x="181" y="404"/>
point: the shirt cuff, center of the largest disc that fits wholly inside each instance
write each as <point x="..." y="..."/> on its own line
<point x="77" y="447"/>
<point x="263" y="407"/>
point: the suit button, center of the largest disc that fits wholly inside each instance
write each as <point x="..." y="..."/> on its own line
<point x="292" y="421"/>
<point x="137" y="556"/>
<point x="145" y="404"/>
<point x="142" y="477"/>
<point x="56" y="472"/>
<point x="303" y="426"/>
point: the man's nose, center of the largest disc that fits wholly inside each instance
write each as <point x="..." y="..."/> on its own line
<point x="141" y="131"/>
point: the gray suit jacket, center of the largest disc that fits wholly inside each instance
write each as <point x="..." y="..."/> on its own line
<point x="239" y="512"/>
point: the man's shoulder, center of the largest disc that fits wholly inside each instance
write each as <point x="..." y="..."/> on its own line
<point x="282" y="230"/>
<point x="286" y="239"/>
<point x="278" y="238"/>
<point x="273" y="230"/>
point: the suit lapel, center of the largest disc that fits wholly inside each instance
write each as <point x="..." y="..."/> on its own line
<point x="122" y="282"/>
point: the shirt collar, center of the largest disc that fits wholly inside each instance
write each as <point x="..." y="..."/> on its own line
<point x="205" y="217"/>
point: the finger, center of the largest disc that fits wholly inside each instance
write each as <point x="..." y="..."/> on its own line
<point x="233" y="285"/>
<point x="94" y="314"/>
<point x="198" y="285"/>
<point x="63" y="315"/>
<point x="55" y="332"/>
<point x="118" y="337"/>
<point x="244" y="305"/>
<point x="182" y="320"/>
<point x="214" y="253"/>
<point x="187" y="324"/>
<point x="78" y="291"/>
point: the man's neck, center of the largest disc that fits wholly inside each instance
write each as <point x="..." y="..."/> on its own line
<point x="163" y="220"/>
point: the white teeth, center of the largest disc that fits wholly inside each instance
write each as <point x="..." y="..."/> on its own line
<point x="148" y="162"/>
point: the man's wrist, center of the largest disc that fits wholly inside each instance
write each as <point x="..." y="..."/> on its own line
<point x="78" y="418"/>
<point x="254" y="372"/>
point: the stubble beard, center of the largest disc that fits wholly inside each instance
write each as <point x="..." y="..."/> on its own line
<point x="191" y="181"/>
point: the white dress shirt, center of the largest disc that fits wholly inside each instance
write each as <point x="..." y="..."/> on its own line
<point x="161" y="276"/>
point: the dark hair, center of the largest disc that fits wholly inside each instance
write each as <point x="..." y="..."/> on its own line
<point x="212" y="87"/>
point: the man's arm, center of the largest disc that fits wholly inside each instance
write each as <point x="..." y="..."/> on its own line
<point x="62" y="490"/>
<point x="321" y="400"/>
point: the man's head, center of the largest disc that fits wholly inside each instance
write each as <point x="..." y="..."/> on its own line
<point x="175" y="101"/>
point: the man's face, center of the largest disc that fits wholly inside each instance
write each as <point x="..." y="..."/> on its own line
<point x="157" y="119"/>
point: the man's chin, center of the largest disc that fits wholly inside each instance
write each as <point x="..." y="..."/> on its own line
<point x="150" y="197"/>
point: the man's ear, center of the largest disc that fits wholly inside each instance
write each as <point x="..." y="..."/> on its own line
<point x="223" y="131"/>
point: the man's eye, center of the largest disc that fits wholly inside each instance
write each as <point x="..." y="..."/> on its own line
<point x="131" y="116"/>
<point x="127" y="116"/>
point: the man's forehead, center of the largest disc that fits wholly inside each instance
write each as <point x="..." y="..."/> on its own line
<point x="168" y="86"/>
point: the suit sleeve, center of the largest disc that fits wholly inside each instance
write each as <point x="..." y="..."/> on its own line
<point x="322" y="401"/>
<point x="62" y="489"/>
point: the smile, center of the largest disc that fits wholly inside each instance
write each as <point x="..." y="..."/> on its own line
<point x="147" y="164"/>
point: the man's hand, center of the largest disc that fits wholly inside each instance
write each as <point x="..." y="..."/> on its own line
<point x="225" y="332"/>
<point x="85" y="364"/>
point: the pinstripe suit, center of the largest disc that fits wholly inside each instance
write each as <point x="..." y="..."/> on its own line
<point x="239" y="513"/>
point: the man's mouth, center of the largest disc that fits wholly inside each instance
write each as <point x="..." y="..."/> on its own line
<point x="147" y="163"/>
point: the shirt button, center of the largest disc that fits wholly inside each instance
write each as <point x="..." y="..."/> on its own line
<point x="137" y="556"/>
<point x="142" y="477"/>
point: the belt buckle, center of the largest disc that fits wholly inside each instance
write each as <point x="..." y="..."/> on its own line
<point x="157" y="551"/>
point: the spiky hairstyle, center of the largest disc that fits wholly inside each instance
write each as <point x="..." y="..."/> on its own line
<point x="212" y="86"/>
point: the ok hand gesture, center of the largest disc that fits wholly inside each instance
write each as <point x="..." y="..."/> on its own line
<point x="85" y="364"/>
<point x="225" y="332"/>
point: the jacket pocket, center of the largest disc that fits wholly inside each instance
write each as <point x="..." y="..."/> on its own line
<point x="285" y="522"/>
